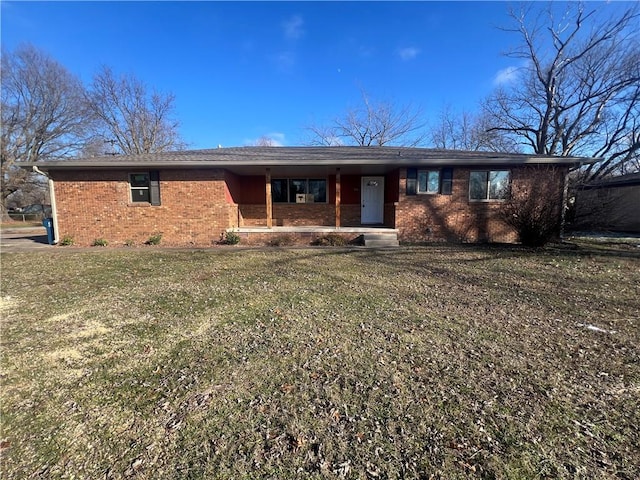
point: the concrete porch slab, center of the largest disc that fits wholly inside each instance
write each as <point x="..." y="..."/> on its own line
<point x="316" y="229"/>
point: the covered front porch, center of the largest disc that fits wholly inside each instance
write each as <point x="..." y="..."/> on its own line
<point x="314" y="197"/>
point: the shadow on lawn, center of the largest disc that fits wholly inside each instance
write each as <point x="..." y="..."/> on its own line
<point x="474" y="253"/>
<point x="567" y="249"/>
<point x="549" y="275"/>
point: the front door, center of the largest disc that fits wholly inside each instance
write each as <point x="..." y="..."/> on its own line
<point x="372" y="200"/>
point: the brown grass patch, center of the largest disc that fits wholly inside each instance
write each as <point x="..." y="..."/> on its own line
<point x="427" y="362"/>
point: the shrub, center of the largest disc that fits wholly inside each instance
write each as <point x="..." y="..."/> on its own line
<point x="129" y="243"/>
<point x="231" y="238"/>
<point x="66" y="241"/>
<point x="100" y="242"/>
<point x="281" y="241"/>
<point x="154" y="239"/>
<point x="332" y="239"/>
<point x="534" y="209"/>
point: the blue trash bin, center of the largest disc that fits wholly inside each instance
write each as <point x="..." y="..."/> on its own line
<point x="48" y="224"/>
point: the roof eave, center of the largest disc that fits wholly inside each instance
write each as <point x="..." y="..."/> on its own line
<point x="401" y="162"/>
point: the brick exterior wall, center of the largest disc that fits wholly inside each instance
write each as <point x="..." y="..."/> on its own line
<point x="289" y="214"/>
<point x="196" y="207"/>
<point x="455" y="218"/>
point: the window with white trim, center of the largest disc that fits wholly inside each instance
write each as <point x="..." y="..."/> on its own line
<point x="486" y="185"/>
<point x="299" y="190"/>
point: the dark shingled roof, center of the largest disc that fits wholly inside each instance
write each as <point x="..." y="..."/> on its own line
<point x="305" y="156"/>
<point x="628" y="180"/>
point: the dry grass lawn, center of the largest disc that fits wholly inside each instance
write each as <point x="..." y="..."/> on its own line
<point x="439" y="362"/>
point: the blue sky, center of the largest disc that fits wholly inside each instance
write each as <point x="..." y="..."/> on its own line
<point x="241" y="70"/>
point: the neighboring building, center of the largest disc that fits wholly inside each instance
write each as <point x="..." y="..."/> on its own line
<point x="611" y="204"/>
<point x="193" y="197"/>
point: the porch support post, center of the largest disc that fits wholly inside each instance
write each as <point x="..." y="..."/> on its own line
<point x="338" y="200"/>
<point x="267" y="186"/>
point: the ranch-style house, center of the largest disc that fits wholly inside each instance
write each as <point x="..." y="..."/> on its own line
<point x="193" y="197"/>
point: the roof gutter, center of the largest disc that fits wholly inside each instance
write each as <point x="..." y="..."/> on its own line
<point x="52" y="199"/>
<point x="75" y="165"/>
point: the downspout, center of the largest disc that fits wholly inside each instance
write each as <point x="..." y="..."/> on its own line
<point x="563" y="211"/>
<point x="52" y="199"/>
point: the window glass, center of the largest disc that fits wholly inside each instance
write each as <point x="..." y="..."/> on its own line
<point x="412" y="175"/>
<point x="422" y="181"/>
<point x="139" y="184"/>
<point x="139" y="179"/>
<point x="489" y="185"/>
<point x="279" y="191"/>
<point x="140" y="195"/>
<point x="478" y="185"/>
<point x="498" y="184"/>
<point x="433" y="182"/>
<point x="286" y="190"/>
<point x="428" y="181"/>
<point x="318" y="188"/>
<point x="296" y="187"/>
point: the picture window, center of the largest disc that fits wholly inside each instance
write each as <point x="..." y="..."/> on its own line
<point x="489" y="185"/>
<point x="299" y="190"/>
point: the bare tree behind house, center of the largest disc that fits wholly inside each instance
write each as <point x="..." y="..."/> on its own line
<point x="372" y="123"/>
<point x="132" y="118"/>
<point x="43" y="115"/>
<point x="324" y="136"/>
<point x="265" y="141"/>
<point x="579" y="87"/>
<point x="468" y="131"/>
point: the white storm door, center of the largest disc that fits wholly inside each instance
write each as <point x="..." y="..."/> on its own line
<point x="372" y="193"/>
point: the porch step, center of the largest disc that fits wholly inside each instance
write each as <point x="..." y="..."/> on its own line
<point x="377" y="240"/>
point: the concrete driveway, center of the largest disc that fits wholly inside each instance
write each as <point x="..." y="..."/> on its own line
<point x="25" y="239"/>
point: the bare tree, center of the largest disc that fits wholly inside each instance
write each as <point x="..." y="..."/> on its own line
<point x="467" y="131"/>
<point x="33" y="189"/>
<point x="580" y="88"/>
<point x="43" y="115"/>
<point x="132" y="119"/>
<point x="265" y="141"/>
<point x="324" y="136"/>
<point x="372" y="124"/>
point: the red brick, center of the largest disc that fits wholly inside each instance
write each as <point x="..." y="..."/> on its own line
<point x="199" y="205"/>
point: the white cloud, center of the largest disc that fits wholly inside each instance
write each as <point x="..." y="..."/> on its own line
<point x="293" y="27"/>
<point x="277" y="139"/>
<point x="408" y="53"/>
<point x="506" y="75"/>
<point x="273" y="139"/>
<point x="284" y="60"/>
<point x="365" y="52"/>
